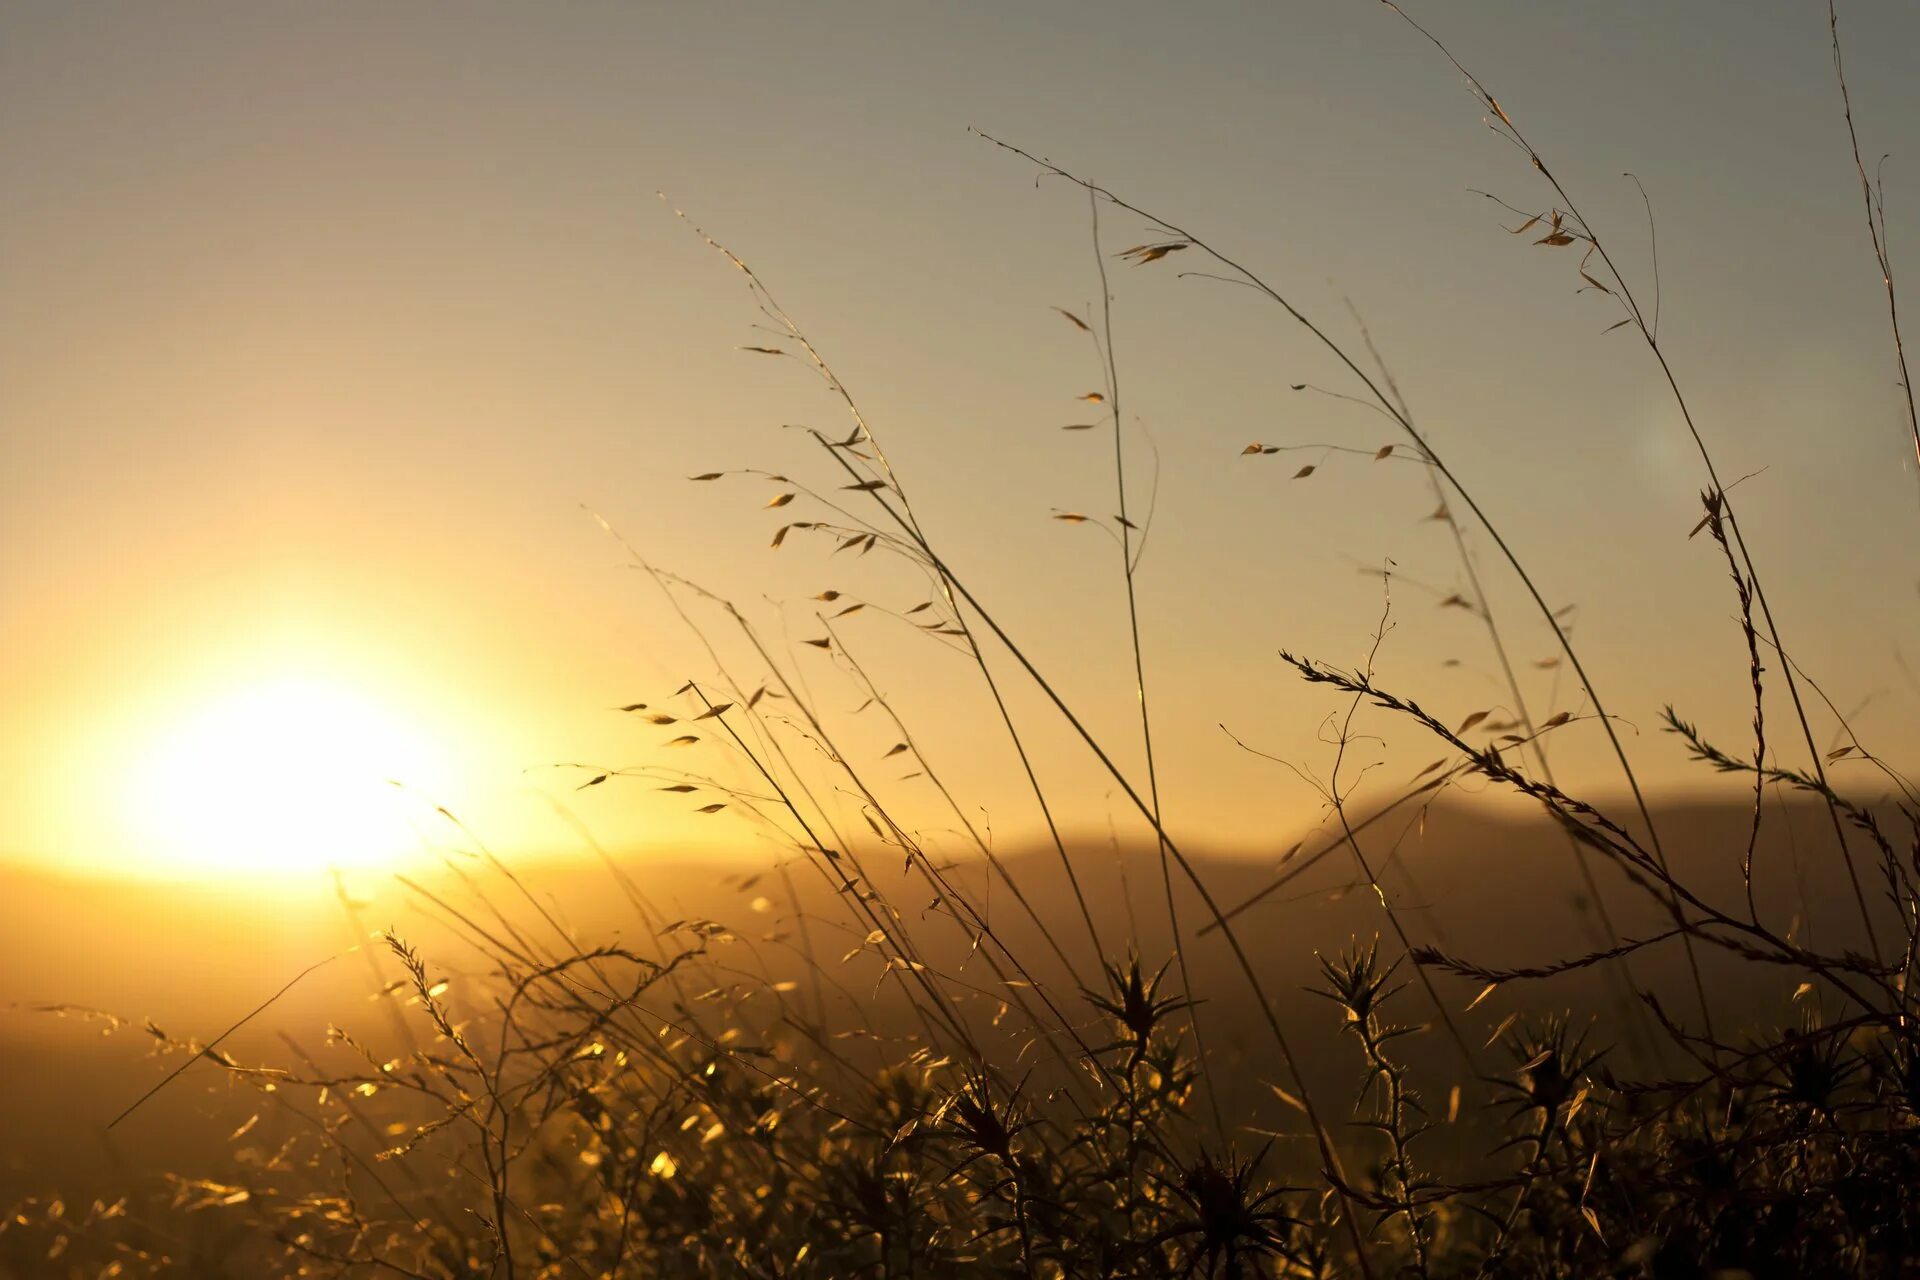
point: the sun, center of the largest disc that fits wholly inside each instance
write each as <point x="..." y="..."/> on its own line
<point x="286" y="774"/>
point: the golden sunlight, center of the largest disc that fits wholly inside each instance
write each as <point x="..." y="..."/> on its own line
<point x="286" y="774"/>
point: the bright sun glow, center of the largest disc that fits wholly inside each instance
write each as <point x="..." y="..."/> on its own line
<point x="284" y="775"/>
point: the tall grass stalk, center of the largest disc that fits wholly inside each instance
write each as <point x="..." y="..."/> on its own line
<point x="961" y="1094"/>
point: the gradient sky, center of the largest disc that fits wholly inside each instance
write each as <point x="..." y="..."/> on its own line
<point x="321" y="322"/>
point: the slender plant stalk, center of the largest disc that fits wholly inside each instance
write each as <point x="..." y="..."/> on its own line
<point x="1453" y="481"/>
<point x="1110" y="364"/>
<point x="1876" y="232"/>
<point x="1624" y="292"/>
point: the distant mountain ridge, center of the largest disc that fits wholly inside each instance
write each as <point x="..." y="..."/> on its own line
<point x="1499" y="887"/>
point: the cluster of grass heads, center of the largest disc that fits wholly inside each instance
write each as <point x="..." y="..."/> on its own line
<point x="682" y="1109"/>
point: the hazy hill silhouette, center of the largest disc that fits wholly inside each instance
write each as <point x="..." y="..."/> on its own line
<point x="1497" y="885"/>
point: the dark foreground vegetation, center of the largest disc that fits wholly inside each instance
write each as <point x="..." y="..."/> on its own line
<point x="898" y="1081"/>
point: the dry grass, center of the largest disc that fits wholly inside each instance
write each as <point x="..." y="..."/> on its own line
<point x="1033" y="1106"/>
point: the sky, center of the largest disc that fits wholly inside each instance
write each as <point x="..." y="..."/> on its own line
<point x="325" y="327"/>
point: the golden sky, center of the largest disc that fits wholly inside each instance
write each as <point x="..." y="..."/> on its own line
<point x="321" y="325"/>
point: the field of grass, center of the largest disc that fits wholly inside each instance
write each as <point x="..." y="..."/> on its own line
<point x="1476" y="1026"/>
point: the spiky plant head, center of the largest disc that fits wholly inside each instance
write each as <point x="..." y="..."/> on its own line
<point x="1357" y="981"/>
<point x="1134" y="1002"/>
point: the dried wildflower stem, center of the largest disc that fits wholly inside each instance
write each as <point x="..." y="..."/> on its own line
<point x="208" y="1048"/>
<point x="946" y="893"/>
<point x="1627" y="985"/>
<point x="968" y="916"/>
<point x="1360" y="987"/>
<point x="1714" y="502"/>
<point x="532" y="954"/>
<point x="1871" y="195"/>
<point x="496" y="1126"/>
<point x="1749" y="939"/>
<point x="973" y="832"/>
<point x="864" y="433"/>
<point x="359" y="1116"/>
<point x="1483" y="606"/>
<point x="859" y="906"/>
<point x="1103" y="346"/>
<point x="1624" y="293"/>
<point x="1420" y="442"/>
<point x="910" y="965"/>
<point x="1242" y="960"/>
<point x="1292" y="868"/>
<point x="1338" y="801"/>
